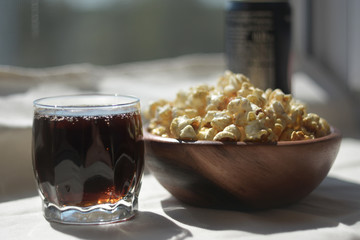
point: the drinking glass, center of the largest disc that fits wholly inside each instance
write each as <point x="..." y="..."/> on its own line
<point x="88" y="157"/>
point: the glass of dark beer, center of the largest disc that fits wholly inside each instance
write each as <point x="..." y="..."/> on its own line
<point x="88" y="157"/>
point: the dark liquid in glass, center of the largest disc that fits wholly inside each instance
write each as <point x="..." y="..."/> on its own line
<point x="87" y="160"/>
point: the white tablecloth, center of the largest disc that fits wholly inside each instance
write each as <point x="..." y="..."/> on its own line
<point x="332" y="211"/>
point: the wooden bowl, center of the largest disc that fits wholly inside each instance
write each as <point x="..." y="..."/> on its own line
<point x="242" y="175"/>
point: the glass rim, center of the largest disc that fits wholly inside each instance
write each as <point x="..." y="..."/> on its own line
<point x="128" y="100"/>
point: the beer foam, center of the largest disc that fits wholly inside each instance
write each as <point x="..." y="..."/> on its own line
<point x="88" y="100"/>
<point x="91" y="113"/>
<point x="87" y="105"/>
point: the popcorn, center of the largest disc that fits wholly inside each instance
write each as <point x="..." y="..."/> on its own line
<point x="230" y="133"/>
<point x="255" y="129"/>
<point x="234" y="110"/>
<point x="217" y="101"/>
<point x="185" y="128"/>
<point x="181" y="99"/>
<point x="159" y="130"/>
<point x="153" y="107"/>
<point x="313" y="123"/>
<point x="230" y="83"/>
<point x="196" y="98"/>
<point x="187" y="133"/>
<point x="299" y="135"/>
<point x="206" y="133"/>
<point x="240" y="108"/>
<point x="164" y="114"/>
<point x="217" y="119"/>
<point x="239" y="105"/>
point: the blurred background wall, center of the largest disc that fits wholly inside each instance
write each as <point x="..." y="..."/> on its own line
<point x="40" y="33"/>
<point x="44" y="33"/>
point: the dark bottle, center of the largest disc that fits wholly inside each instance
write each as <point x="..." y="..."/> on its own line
<point x="257" y="42"/>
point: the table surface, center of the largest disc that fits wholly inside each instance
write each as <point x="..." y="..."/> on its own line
<point x="331" y="211"/>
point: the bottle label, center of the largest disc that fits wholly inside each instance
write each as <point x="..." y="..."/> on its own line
<point x="250" y="45"/>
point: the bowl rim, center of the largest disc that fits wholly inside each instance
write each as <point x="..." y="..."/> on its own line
<point x="334" y="133"/>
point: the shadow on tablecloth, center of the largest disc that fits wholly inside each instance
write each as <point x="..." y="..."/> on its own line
<point x="333" y="202"/>
<point x="145" y="225"/>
